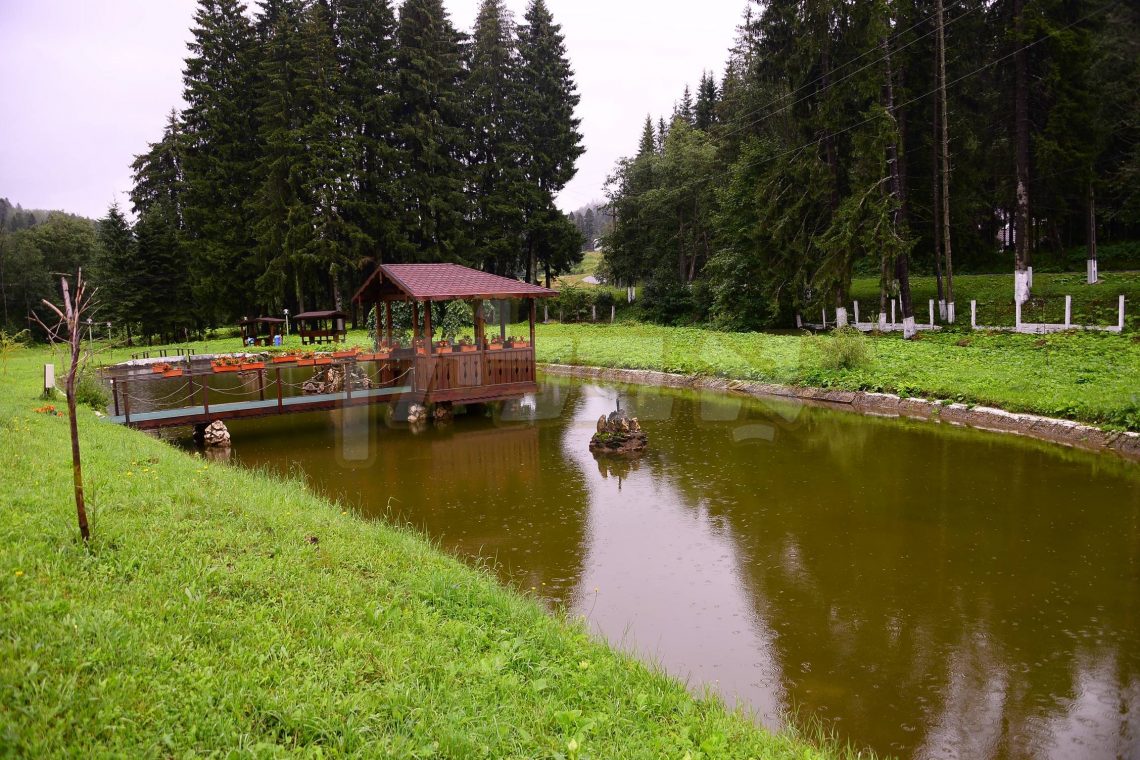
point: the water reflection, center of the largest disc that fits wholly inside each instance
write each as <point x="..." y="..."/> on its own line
<point x="932" y="592"/>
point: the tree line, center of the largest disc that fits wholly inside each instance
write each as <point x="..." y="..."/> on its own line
<point x="322" y="137"/>
<point x="879" y="138"/>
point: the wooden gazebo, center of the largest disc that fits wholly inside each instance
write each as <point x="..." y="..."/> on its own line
<point x="490" y="368"/>
<point x="260" y="330"/>
<point x="321" y="327"/>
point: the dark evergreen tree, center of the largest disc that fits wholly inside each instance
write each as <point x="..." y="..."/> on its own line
<point x="116" y="271"/>
<point x="431" y="131"/>
<point x="550" y="137"/>
<point x="220" y="155"/>
<point x="500" y="190"/>
<point x="704" y="112"/>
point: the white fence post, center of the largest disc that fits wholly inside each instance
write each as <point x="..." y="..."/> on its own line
<point x="932" y="313"/>
<point x="973" y="315"/>
<point x="1017" y="316"/>
<point x="49" y="379"/>
<point x="824" y="317"/>
<point x="799" y="321"/>
<point x="593" y="313"/>
<point x="856" y="313"/>
<point x="1068" y="311"/>
<point x="545" y="314"/>
<point x="613" y="312"/>
<point x="892" y="312"/>
<point x="1120" y="324"/>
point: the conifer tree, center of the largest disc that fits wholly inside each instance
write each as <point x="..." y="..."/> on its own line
<point x="432" y="135"/>
<point x="115" y="270"/>
<point x="494" y="94"/>
<point x="704" y="113"/>
<point x="220" y="154"/>
<point x="550" y="137"/>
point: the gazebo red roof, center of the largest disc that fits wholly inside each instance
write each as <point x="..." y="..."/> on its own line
<point x="442" y="282"/>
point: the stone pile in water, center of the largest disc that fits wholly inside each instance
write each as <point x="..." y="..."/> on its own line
<point x="331" y="380"/>
<point x="618" y="433"/>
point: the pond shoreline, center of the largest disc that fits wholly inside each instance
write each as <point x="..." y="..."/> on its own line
<point x="1050" y="429"/>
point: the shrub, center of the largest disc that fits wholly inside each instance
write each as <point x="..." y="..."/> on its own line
<point x="845" y="348"/>
<point x="89" y="391"/>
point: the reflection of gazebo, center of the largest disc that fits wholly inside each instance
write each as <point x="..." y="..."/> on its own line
<point x="321" y="326"/>
<point x="261" y="330"/>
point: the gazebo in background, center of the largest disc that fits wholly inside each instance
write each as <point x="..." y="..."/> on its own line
<point x="321" y="327"/>
<point x="260" y="330"/>
<point x="490" y="368"/>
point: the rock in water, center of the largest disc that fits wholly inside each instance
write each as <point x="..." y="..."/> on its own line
<point x="619" y="434"/>
<point x="216" y="435"/>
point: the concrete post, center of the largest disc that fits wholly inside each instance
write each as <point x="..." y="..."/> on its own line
<point x="1120" y="323"/>
<point x="1092" y="273"/>
<point x="613" y="312"/>
<point x="892" y="312"/>
<point x="824" y="317"/>
<point x="49" y="379"/>
<point x="932" y="312"/>
<point x="1030" y="270"/>
<point x="856" y="313"/>
<point x="545" y="314"/>
<point x="593" y="313"/>
<point x="799" y="322"/>
<point x="1068" y="311"/>
<point x="1017" y="316"/>
<point x="973" y="315"/>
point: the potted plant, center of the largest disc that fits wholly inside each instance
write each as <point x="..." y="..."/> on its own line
<point x="443" y="346"/>
<point x="323" y="358"/>
<point x="160" y="368"/>
<point x="421" y="347"/>
<point x="285" y="357"/>
<point x="346" y="353"/>
<point x="173" y="373"/>
<point x="251" y="363"/>
<point x="226" y="364"/>
<point x="466" y="344"/>
<point x="306" y="359"/>
<point x="517" y="342"/>
<point x="495" y="344"/>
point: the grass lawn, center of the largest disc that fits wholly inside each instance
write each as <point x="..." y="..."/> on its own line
<point x="1092" y="304"/>
<point x="220" y="610"/>
<point x="1092" y="377"/>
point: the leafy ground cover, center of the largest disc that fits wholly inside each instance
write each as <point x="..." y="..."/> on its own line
<point x="219" y="611"/>
<point x="1092" y="377"/>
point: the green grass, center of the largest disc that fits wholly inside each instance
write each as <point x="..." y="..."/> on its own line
<point x="220" y="611"/>
<point x="1092" y="304"/>
<point x="1091" y="377"/>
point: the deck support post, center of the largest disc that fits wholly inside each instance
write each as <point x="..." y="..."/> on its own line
<point x="115" y="395"/>
<point x="261" y="384"/>
<point x="127" y="403"/>
<point x="480" y="338"/>
<point x="280" y="398"/>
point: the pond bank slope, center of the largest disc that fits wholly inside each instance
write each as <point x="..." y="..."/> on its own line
<point x="221" y="609"/>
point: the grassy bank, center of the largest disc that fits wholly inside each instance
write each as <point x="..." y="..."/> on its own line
<point x="1092" y="304"/>
<point x="1088" y="377"/>
<point x="219" y="609"/>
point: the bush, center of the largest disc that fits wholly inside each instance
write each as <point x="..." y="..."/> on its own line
<point x="90" y="391"/>
<point x="845" y="348"/>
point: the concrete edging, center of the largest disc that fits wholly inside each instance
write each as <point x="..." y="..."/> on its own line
<point x="1065" y="432"/>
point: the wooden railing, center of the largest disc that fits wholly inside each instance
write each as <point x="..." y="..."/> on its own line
<point x="440" y="373"/>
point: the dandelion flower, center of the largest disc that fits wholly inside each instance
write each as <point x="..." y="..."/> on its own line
<point x="19" y="573"/>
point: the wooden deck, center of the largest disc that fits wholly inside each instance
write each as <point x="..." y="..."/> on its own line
<point x="470" y="377"/>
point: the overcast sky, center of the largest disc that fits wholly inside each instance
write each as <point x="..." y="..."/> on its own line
<point x="88" y="83"/>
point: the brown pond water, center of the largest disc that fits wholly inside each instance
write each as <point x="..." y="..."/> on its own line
<point x="928" y="592"/>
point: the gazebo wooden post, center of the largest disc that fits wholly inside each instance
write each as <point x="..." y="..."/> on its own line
<point x="480" y="338"/>
<point x="533" y="310"/>
<point x="427" y="326"/>
<point x="388" y="319"/>
<point x="379" y="331"/>
<point x="503" y="318"/>
<point x="415" y="322"/>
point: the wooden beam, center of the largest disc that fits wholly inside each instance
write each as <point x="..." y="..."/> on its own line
<point x="533" y="309"/>
<point x="427" y="327"/>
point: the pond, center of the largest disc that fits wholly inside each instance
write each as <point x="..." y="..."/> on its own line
<point x="926" y="591"/>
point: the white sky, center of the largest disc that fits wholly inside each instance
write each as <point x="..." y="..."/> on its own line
<point x="88" y="83"/>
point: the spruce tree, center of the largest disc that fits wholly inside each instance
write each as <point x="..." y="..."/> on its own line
<point x="431" y="134"/>
<point x="220" y="154"/>
<point x="551" y="140"/>
<point x="367" y="48"/>
<point x="494" y="94"/>
<point x="116" y="270"/>
<point x="704" y="112"/>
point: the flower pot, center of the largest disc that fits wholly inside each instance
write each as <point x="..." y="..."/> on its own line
<point x="158" y="369"/>
<point x="226" y="367"/>
<point x="465" y="349"/>
<point x="284" y="359"/>
<point x="306" y="362"/>
<point x="343" y="354"/>
<point x="172" y="373"/>
<point x="323" y="360"/>
<point x="494" y="346"/>
<point x="520" y="344"/>
<point x="252" y="365"/>
<point x="443" y="349"/>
